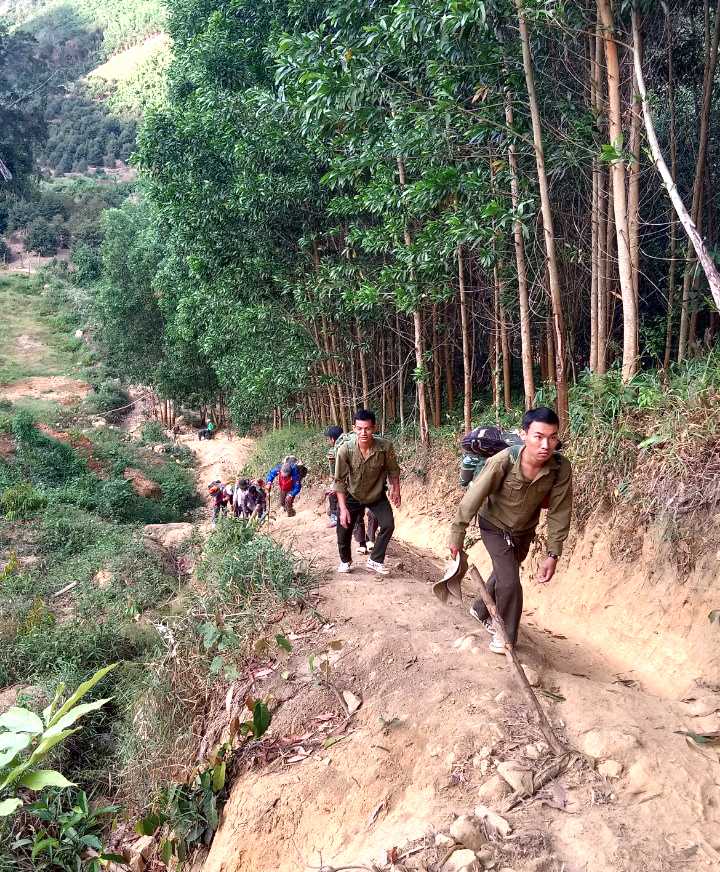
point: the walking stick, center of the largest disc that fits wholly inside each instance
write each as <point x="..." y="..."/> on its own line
<point x="515" y="666"/>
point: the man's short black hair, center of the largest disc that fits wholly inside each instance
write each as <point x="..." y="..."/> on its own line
<point x="541" y="415"/>
<point x="364" y="415"/>
<point x="334" y="432"/>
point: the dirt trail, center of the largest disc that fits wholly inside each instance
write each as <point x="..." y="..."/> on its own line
<point x="434" y="722"/>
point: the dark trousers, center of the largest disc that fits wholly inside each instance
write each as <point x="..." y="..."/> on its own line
<point x="365" y="532"/>
<point x="504" y="583"/>
<point x="333" y="504"/>
<point x="384" y="514"/>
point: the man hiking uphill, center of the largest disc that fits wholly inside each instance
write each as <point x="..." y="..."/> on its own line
<point x="289" y="485"/>
<point x="507" y="497"/>
<point x="361" y="468"/>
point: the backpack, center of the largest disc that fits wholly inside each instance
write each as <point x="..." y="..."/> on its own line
<point x="285" y="483"/>
<point x="215" y="486"/>
<point x="478" y="445"/>
<point x="302" y="470"/>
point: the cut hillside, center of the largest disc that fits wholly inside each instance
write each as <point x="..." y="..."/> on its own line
<point x="124" y="64"/>
<point x="439" y="716"/>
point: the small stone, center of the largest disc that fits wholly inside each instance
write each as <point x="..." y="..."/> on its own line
<point x="79" y="334"/>
<point x="608" y="744"/>
<point x="532" y="752"/>
<point x="484" y="766"/>
<point x="137" y="863"/>
<point x="468" y="832"/>
<point x="144" y="846"/>
<point x="493" y="820"/>
<point x="351" y="701"/>
<point x="520" y="779"/>
<point x="492" y="790"/>
<point x="474" y="650"/>
<point x="503" y="696"/>
<point x="451" y="758"/>
<point x="462" y="861"/>
<point x="468" y="643"/>
<point x="542" y="747"/>
<point x="443" y="841"/>
<point x="486" y="858"/>
<point x="532" y="675"/>
<point x="611" y="768"/>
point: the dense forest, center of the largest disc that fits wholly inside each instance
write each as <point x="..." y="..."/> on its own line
<point x="348" y="201"/>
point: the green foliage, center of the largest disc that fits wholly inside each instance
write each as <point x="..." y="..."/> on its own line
<point x="152" y="432"/>
<point x="26" y="740"/>
<point x="20" y="501"/>
<point x="306" y="443"/>
<point x="190" y="812"/>
<point x="61" y="831"/>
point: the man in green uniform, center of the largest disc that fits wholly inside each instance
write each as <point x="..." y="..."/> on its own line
<point x="507" y="497"/>
<point x="361" y="469"/>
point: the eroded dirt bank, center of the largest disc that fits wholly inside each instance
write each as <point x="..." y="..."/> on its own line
<point x="617" y="589"/>
<point x="435" y="721"/>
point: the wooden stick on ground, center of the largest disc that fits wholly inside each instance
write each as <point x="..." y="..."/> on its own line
<point x="518" y="673"/>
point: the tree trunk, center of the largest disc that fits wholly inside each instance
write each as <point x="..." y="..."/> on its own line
<point x="401" y="374"/>
<point x="603" y="272"/>
<point x="630" y="325"/>
<point x="698" y="244"/>
<point x="548" y="232"/>
<point x="448" y="355"/>
<point x="467" y="361"/>
<point x="595" y="103"/>
<point x="363" y="366"/>
<point x="711" y="55"/>
<point x="417" y="322"/>
<point x="523" y="293"/>
<point x="437" y="370"/>
<point x="673" y="217"/>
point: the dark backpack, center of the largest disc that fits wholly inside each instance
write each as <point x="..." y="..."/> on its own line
<point x="478" y="445"/>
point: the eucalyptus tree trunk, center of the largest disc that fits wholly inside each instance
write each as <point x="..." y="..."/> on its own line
<point x="467" y="359"/>
<point x="363" y="365"/>
<point x="711" y="55"/>
<point x="448" y="354"/>
<point x="521" y="266"/>
<point x="673" y="217"/>
<point x="437" y="370"/>
<point x="630" y="325"/>
<point x="418" y="325"/>
<point x="596" y="250"/>
<point x="708" y="265"/>
<point x="548" y="232"/>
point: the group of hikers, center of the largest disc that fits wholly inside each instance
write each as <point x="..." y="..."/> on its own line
<point x="511" y="487"/>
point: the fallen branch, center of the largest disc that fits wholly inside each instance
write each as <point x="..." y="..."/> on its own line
<point x="518" y="673"/>
<point x="66" y="589"/>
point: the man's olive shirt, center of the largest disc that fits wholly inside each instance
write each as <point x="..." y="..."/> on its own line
<point x="504" y="497"/>
<point x="364" y="477"/>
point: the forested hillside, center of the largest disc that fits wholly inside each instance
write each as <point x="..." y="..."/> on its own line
<point x="435" y="196"/>
<point x="79" y="77"/>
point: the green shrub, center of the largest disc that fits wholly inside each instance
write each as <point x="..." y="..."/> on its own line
<point x="20" y="501"/>
<point x="152" y="432"/>
<point x="306" y="443"/>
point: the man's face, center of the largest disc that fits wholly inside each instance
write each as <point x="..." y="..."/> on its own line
<point x="364" y="431"/>
<point x="540" y="440"/>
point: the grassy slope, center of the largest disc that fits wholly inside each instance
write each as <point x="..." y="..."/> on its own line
<point x="36" y="337"/>
<point x="122" y="65"/>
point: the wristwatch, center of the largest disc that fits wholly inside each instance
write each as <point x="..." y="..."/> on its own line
<point x="554" y="556"/>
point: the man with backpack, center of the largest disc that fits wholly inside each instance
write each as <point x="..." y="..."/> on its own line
<point x="289" y="485"/>
<point x="507" y="497"/>
<point x="362" y="466"/>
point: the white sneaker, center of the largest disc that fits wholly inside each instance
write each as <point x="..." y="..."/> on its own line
<point x="361" y="549"/>
<point x="380" y="568"/>
<point x="487" y="624"/>
<point x="344" y="567"/>
<point x="496" y="645"/>
<point x="370" y="544"/>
